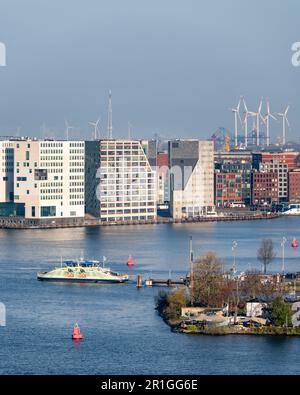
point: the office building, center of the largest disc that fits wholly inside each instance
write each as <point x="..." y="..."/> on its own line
<point x="120" y="183"/>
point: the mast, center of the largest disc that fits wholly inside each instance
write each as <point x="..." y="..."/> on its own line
<point x="191" y="285"/>
<point x="109" y="122"/>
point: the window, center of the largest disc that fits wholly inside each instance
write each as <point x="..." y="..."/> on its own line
<point x="33" y="211"/>
<point x="48" y="211"/>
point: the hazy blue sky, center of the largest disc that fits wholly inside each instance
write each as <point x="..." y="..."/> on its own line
<point x="174" y="67"/>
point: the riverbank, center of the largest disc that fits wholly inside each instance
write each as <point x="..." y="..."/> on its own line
<point x="176" y="326"/>
<point x="23" y="223"/>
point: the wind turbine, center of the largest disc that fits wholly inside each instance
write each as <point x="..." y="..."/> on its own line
<point x="236" y="112"/>
<point x="95" y="125"/>
<point x="284" y="121"/>
<point x="258" y="118"/>
<point x="247" y="115"/>
<point x="68" y="127"/>
<point x="267" y="121"/>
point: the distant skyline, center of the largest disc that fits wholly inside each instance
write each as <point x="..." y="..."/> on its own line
<point x="174" y="67"/>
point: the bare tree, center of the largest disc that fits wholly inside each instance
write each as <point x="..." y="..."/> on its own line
<point x="266" y="253"/>
<point x="209" y="283"/>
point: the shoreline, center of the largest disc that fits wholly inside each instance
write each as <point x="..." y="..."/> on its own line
<point x="23" y="223"/>
<point x="234" y="331"/>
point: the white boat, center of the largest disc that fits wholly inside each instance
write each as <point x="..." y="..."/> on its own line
<point x="81" y="271"/>
<point x="293" y="209"/>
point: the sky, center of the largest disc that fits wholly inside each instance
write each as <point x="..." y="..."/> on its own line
<point x="174" y="67"/>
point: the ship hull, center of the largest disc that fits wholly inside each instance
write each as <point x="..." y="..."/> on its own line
<point x="80" y="280"/>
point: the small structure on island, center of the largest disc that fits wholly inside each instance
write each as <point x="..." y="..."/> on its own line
<point x="254" y="308"/>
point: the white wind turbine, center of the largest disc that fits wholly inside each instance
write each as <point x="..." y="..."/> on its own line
<point x="95" y="125"/>
<point x="258" y="118"/>
<point x="284" y="122"/>
<point x="236" y="112"/>
<point x="267" y="121"/>
<point x="68" y="128"/>
<point x="247" y="115"/>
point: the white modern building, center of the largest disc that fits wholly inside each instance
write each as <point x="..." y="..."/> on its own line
<point x="6" y="171"/>
<point x="191" y="164"/>
<point x="120" y="183"/>
<point x="49" y="178"/>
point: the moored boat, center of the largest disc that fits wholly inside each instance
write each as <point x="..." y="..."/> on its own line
<point x="81" y="271"/>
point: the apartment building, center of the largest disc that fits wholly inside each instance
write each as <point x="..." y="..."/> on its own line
<point x="233" y="178"/>
<point x="265" y="188"/>
<point x="6" y="170"/>
<point x="120" y="183"/>
<point x="228" y="189"/>
<point x="294" y="185"/>
<point x="191" y="164"/>
<point x="49" y="178"/>
<point x="282" y="170"/>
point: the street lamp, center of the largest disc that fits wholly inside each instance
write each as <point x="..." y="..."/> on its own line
<point x="234" y="246"/>
<point x="283" y="241"/>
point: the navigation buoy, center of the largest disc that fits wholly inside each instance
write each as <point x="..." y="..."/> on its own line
<point x="130" y="261"/>
<point x="77" y="335"/>
<point x="295" y="243"/>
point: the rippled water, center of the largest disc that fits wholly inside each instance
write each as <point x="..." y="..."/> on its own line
<point x="123" y="333"/>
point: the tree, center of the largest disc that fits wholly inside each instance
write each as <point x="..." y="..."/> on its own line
<point x="169" y="304"/>
<point x="209" y="285"/>
<point x="266" y="253"/>
<point x="252" y="285"/>
<point x="281" y="312"/>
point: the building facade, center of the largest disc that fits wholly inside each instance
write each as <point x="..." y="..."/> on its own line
<point x="240" y="164"/>
<point x="120" y="183"/>
<point x="294" y="185"/>
<point x="49" y="178"/>
<point x="191" y="164"/>
<point x="228" y="189"/>
<point x="265" y="188"/>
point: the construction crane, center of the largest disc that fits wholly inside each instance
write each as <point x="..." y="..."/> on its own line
<point x="221" y="139"/>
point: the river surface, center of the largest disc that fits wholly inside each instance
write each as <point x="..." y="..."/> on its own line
<point x="122" y="332"/>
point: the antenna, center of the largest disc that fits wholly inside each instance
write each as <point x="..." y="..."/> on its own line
<point x="129" y="130"/>
<point x="68" y="127"/>
<point x="109" y="123"/>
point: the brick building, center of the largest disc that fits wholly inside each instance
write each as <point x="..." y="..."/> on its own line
<point x="294" y="185"/>
<point x="265" y="188"/>
<point x="228" y="189"/>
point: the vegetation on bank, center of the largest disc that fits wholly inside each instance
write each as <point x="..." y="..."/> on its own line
<point x="211" y="288"/>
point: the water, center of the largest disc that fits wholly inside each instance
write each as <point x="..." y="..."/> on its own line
<point x="123" y="334"/>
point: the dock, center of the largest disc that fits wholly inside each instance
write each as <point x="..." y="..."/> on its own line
<point x="150" y="282"/>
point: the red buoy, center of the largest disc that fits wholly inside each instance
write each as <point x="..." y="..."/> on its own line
<point x="130" y="261"/>
<point x="295" y="243"/>
<point x="77" y="335"/>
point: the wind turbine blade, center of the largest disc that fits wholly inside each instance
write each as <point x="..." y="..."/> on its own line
<point x="287" y="121"/>
<point x="286" y="111"/>
<point x="245" y="105"/>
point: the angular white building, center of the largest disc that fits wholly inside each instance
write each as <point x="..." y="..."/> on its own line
<point x="191" y="164"/>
